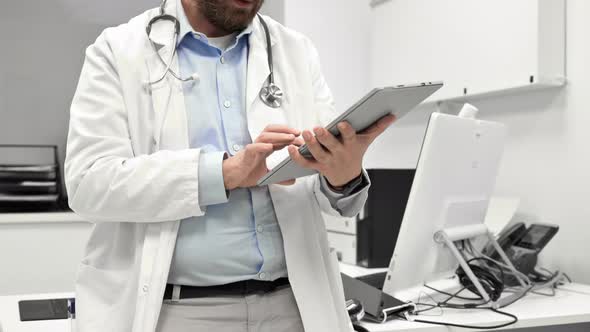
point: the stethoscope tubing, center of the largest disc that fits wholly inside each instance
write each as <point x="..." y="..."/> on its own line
<point x="270" y="94"/>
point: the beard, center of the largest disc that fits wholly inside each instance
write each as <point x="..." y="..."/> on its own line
<point x="225" y="15"/>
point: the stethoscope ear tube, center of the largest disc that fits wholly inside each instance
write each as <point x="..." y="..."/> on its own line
<point x="163" y="17"/>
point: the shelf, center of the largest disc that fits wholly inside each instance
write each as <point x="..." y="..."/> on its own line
<point x="477" y="48"/>
<point x="42" y="217"/>
<point x="553" y="83"/>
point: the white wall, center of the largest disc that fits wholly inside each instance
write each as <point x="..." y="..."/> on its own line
<point x="274" y="9"/>
<point x="547" y="156"/>
<point x="340" y="32"/>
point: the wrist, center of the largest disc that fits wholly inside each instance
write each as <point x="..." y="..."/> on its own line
<point x="339" y="185"/>
<point x="229" y="179"/>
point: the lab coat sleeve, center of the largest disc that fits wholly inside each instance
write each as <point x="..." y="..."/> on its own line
<point x="326" y="112"/>
<point x="346" y="205"/>
<point x="105" y="180"/>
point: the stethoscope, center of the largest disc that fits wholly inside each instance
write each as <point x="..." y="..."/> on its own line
<point x="270" y="94"/>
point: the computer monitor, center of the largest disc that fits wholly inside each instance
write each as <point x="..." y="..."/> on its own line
<point x="454" y="181"/>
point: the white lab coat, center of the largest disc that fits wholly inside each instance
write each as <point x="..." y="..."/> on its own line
<point x="129" y="169"/>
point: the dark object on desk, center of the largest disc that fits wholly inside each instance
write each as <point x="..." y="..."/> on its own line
<point x="375" y="279"/>
<point x="379" y="222"/>
<point x="522" y="246"/>
<point x="372" y="299"/>
<point x="31" y="310"/>
<point x="29" y="182"/>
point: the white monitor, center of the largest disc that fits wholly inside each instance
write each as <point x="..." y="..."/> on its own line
<point x="454" y="181"/>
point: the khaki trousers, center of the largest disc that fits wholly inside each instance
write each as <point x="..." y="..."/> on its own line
<point x="271" y="312"/>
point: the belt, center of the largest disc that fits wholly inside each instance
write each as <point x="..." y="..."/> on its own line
<point x="245" y="287"/>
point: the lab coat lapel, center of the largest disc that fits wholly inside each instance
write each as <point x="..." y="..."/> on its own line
<point x="170" y="132"/>
<point x="170" y="123"/>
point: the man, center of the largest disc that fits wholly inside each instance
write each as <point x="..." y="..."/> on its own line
<point x="183" y="239"/>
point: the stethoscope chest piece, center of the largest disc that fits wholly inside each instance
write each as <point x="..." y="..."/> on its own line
<point x="272" y="95"/>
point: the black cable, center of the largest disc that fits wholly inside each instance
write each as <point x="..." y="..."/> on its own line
<point x="445" y="303"/>
<point x="492" y="285"/>
<point x="430" y="307"/>
<point x="454" y="296"/>
<point x="491" y="327"/>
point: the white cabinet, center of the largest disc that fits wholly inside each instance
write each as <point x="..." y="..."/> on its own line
<point x="477" y="47"/>
<point x="342" y="236"/>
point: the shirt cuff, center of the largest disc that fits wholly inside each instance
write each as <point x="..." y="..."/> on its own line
<point x="211" y="187"/>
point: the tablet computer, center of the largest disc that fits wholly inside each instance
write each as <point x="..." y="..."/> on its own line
<point x="397" y="100"/>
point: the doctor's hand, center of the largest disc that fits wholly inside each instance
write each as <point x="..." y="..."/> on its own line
<point x="339" y="159"/>
<point x="246" y="167"/>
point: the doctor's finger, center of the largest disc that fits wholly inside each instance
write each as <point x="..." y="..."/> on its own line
<point x="301" y="160"/>
<point x="347" y="132"/>
<point x="276" y="128"/>
<point x="328" y="140"/>
<point x="297" y="142"/>
<point x="317" y="150"/>
<point x="378" y="127"/>
<point x="275" y="138"/>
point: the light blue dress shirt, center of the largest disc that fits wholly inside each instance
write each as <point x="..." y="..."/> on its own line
<point x="238" y="238"/>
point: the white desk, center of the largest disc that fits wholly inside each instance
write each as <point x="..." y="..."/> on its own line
<point x="571" y="305"/>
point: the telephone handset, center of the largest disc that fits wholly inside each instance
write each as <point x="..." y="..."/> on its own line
<point x="523" y="245"/>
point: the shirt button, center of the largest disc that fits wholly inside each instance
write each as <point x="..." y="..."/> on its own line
<point x="227" y="104"/>
<point x="222" y="59"/>
<point x="259" y="228"/>
<point x="145" y="288"/>
<point x="262" y="275"/>
<point x="236" y="147"/>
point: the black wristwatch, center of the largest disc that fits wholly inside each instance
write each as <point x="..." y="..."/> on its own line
<point x="349" y="187"/>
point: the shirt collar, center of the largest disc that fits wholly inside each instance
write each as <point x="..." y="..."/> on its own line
<point x="186" y="28"/>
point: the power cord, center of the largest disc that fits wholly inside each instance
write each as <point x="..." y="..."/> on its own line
<point x="475" y="327"/>
<point x="465" y="306"/>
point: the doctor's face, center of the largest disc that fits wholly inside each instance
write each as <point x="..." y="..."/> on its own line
<point x="229" y="15"/>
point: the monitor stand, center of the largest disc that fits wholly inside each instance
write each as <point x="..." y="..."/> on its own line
<point x="449" y="236"/>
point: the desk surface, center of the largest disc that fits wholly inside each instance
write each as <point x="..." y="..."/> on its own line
<point x="571" y="305"/>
